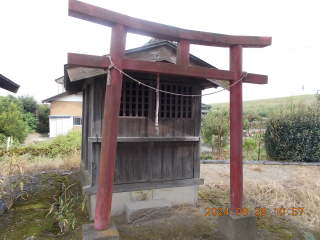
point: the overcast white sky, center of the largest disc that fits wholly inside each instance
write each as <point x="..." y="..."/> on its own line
<point x="35" y="36"/>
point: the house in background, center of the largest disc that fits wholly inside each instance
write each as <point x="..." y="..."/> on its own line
<point x="65" y="111"/>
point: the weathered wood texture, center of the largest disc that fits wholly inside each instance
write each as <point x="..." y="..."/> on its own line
<point x="141" y="155"/>
<point x="197" y="129"/>
<point x="160" y="31"/>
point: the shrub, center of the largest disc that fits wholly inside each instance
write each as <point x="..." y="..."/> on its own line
<point x="12" y="123"/>
<point x="43" y="117"/>
<point x="61" y="145"/>
<point x="215" y="130"/>
<point x="294" y="134"/>
<point x="249" y="144"/>
<point x="29" y="103"/>
<point x="31" y="121"/>
<point x="3" y="139"/>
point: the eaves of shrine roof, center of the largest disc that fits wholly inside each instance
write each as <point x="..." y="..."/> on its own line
<point x="154" y="50"/>
<point x="9" y="85"/>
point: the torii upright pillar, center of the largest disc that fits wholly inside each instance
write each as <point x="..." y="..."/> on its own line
<point x="236" y="178"/>
<point x="110" y="130"/>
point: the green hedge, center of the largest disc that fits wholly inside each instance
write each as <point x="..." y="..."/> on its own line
<point x="61" y="145"/>
<point x="294" y="135"/>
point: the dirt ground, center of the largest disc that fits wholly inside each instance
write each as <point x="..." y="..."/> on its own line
<point x="192" y="223"/>
<point x="36" y="137"/>
<point x="263" y="185"/>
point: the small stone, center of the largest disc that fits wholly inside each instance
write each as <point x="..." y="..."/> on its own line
<point x="3" y="207"/>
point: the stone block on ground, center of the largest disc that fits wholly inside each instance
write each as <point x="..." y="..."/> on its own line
<point x="235" y="227"/>
<point x="147" y="210"/>
<point x="88" y="232"/>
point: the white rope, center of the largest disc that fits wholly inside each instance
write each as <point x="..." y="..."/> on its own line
<point x="244" y="75"/>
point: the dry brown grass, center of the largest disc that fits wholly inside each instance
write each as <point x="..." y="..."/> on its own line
<point x="301" y="190"/>
<point x="38" y="164"/>
<point x="257" y="168"/>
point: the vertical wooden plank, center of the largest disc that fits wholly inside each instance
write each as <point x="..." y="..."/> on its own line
<point x="181" y="103"/>
<point x="124" y="96"/>
<point x="187" y="159"/>
<point x="177" y="162"/>
<point x="165" y="102"/>
<point x="83" y="125"/>
<point x="187" y="103"/>
<point x="156" y="157"/>
<point x="91" y="161"/>
<point x="130" y="99"/>
<point x="167" y="161"/>
<point x="96" y="152"/>
<point x="97" y="113"/>
<point x="196" y="109"/>
<point x="86" y="126"/>
<point x="120" y="170"/>
<point x="176" y="103"/>
<point x="136" y="98"/>
<point x="142" y="100"/>
<point x="171" y="98"/>
<point x="151" y="110"/>
<point x="144" y="156"/>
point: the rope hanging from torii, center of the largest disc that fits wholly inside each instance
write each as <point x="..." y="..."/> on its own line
<point x="244" y="75"/>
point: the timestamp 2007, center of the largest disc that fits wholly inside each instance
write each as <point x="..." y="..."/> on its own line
<point x="258" y="211"/>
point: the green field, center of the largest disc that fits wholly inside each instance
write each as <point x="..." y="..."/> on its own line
<point x="264" y="106"/>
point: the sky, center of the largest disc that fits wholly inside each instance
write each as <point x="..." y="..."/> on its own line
<point x="36" y="35"/>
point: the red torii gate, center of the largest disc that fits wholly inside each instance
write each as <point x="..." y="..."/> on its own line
<point x="121" y="24"/>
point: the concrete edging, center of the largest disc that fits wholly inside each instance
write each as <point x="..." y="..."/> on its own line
<point x="260" y="162"/>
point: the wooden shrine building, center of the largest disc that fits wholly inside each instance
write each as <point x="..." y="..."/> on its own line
<point x="165" y="165"/>
<point x="132" y="156"/>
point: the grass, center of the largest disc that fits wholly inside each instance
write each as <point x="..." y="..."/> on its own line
<point x="62" y="153"/>
<point x="300" y="190"/>
<point x="264" y="106"/>
<point x="39" y="164"/>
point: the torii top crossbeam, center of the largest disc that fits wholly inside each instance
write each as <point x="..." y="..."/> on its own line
<point x="121" y="24"/>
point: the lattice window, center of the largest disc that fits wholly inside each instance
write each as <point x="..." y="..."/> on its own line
<point x="173" y="106"/>
<point x="134" y="99"/>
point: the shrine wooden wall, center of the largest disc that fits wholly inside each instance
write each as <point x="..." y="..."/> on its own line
<point x="143" y="158"/>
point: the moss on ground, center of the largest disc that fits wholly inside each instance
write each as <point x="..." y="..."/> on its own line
<point x="28" y="217"/>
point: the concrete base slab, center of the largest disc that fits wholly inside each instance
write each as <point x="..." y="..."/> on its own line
<point x="236" y="227"/>
<point x="88" y="232"/>
<point x="176" y="196"/>
<point x="146" y="210"/>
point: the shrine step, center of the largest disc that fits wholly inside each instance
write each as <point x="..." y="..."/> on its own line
<point x="147" y="210"/>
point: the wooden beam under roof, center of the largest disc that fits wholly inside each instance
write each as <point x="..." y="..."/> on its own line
<point x="100" y="63"/>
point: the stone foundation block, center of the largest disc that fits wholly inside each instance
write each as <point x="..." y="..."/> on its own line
<point x="88" y="232"/>
<point x="147" y="210"/>
<point x="236" y="227"/>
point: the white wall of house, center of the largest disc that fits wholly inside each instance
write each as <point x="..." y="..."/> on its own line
<point x="60" y="125"/>
<point x="71" y="98"/>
